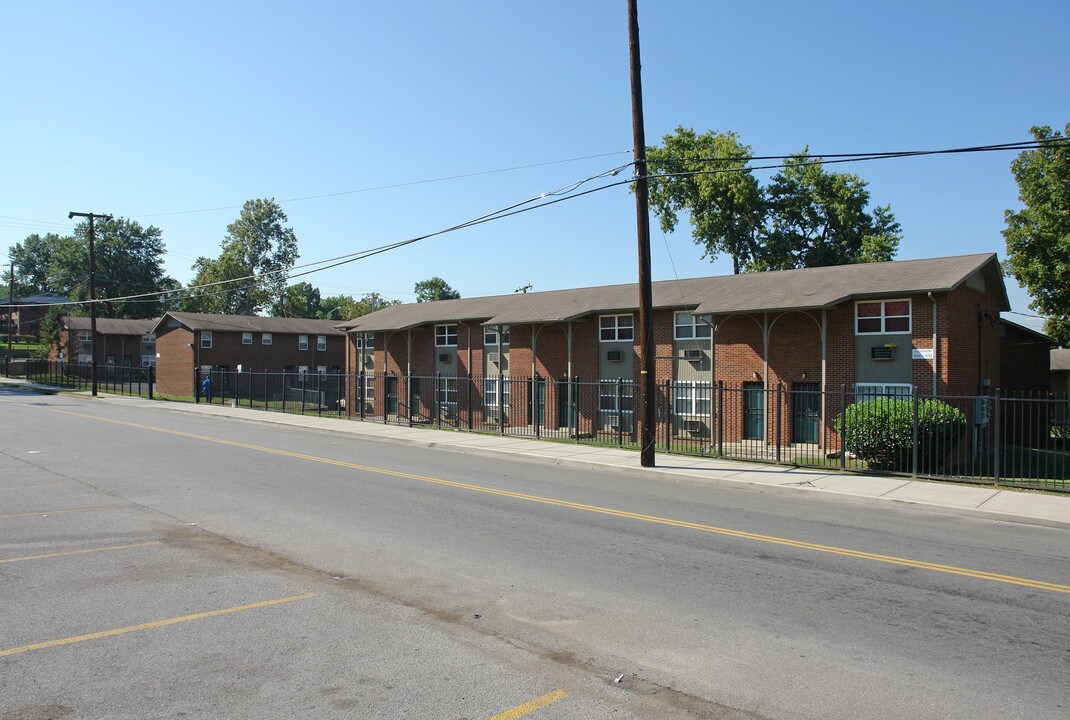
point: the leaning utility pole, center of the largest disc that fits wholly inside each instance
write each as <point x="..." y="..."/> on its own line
<point x="642" y="222"/>
<point x="92" y="295"/>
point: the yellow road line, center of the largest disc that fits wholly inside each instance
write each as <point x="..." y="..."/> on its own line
<point x="150" y="625"/>
<point x="532" y="705"/>
<point x="39" y="513"/>
<point x="729" y="532"/>
<point x="79" y="552"/>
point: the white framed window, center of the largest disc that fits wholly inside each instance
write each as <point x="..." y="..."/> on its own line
<point x="688" y="327"/>
<point x="894" y="391"/>
<point x="874" y="317"/>
<point x="447" y="391"/>
<point x="322" y="371"/>
<point x="369" y="388"/>
<point x="490" y="392"/>
<point x="490" y="336"/>
<point x="446" y="335"/>
<point x="612" y="328"/>
<point x="607" y="396"/>
<point x="369" y="341"/>
<point x="265" y="338"/>
<point x="302" y="372"/>
<point x="692" y="398"/>
<point x="149" y="341"/>
<point x="246" y="338"/>
<point x="302" y="342"/>
<point x="321" y="342"/>
<point x="206" y="339"/>
<point x="86" y="336"/>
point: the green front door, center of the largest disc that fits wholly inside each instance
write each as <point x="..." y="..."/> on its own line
<point x="391" y="394"/>
<point x="805" y="412"/>
<point x="538" y="407"/>
<point x="562" y="403"/>
<point x="753" y="411"/>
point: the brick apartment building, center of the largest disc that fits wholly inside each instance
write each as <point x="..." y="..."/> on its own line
<point x="878" y="328"/>
<point x="1060" y="372"/>
<point x="186" y="342"/>
<point x="127" y="343"/>
<point x="22" y="318"/>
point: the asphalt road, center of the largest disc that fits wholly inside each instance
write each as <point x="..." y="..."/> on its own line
<point x="452" y="585"/>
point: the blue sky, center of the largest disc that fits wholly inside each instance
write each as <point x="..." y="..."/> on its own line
<point x="176" y="114"/>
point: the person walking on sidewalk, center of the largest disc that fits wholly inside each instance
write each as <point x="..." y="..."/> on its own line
<point x="206" y="388"/>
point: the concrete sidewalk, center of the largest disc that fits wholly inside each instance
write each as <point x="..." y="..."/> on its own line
<point x="1035" y="508"/>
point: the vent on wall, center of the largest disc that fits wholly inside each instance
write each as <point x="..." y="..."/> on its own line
<point x="443" y="357"/>
<point x="692" y="355"/>
<point x="881" y="352"/>
<point x="492" y="357"/>
<point x="615" y="356"/>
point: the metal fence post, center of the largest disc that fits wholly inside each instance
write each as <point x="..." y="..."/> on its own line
<point x="152" y="379"/>
<point x="996" y="438"/>
<point x="843" y="426"/>
<point x="436" y="399"/>
<point x="668" y="416"/>
<point x="914" y="433"/>
<point x="196" y="385"/>
<point x="535" y="405"/>
<point x="620" y="412"/>
<point x="304" y="380"/>
<point x="779" y="407"/>
<point x="720" y="418"/>
<point x="501" y="403"/>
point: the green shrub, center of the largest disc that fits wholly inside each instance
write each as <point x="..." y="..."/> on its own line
<point x="880" y="432"/>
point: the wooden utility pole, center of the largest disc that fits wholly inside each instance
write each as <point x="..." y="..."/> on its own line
<point x="10" y="312"/>
<point x="92" y="295"/>
<point x="642" y="222"/>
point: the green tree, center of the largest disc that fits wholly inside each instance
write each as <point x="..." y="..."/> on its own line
<point x="257" y="253"/>
<point x="299" y="301"/>
<point x="434" y="288"/>
<point x="129" y="261"/>
<point x="370" y="303"/>
<point x="1038" y="235"/>
<point x="723" y="200"/>
<point x="818" y="218"/>
<point x="33" y="258"/>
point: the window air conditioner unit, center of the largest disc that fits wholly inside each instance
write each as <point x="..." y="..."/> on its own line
<point x="448" y="412"/>
<point x="882" y="352"/>
<point x="491" y="414"/>
<point x="692" y="355"/>
<point x="615" y="356"/>
<point x="613" y="421"/>
<point x="443" y="357"/>
<point x="369" y="360"/>
<point x="693" y="426"/>
<point x="493" y="357"/>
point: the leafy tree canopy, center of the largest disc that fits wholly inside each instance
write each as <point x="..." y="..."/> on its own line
<point x="722" y="199"/>
<point x="129" y="261"/>
<point x="818" y="218"/>
<point x="1038" y="235"/>
<point x="805" y="217"/>
<point x="299" y="301"/>
<point x="434" y="288"/>
<point x="257" y="253"/>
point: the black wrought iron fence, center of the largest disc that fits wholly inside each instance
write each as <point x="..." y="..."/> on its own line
<point x="111" y="379"/>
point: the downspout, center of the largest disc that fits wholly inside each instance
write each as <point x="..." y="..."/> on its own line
<point x="765" y="351"/>
<point x="936" y="352"/>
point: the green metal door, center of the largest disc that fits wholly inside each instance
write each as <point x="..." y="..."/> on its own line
<point x="391" y="394"/>
<point x="805" y="412"/>
<point x="538" y="407"/>
<point x="753" y="411"/>
<point x="562" y="403"/>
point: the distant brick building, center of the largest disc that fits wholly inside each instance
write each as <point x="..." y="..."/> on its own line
<point x="186" y="342"/>
<point x="1060" y="372"/>
<point x="23" y="317"/>
<point x="880" y="329"/>
<point x="127" y="343"/>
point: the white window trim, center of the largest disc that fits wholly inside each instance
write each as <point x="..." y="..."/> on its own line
<point x="860" y="393"/>
<point x="246" y="338"/>
<point x="617" y="328"/>
<point x="85" y="336"/>
<point x="321" y="343"/>
<point x="206" y="339"/>
<point x="302" y="342"/>
<point x="265" y="338"/>
<point x="490" y="336"/>
<point x="687" y="391"/>
<point x="909" y="316"/>
<point x="444" y="341"/>
<point x="692" y="322"/>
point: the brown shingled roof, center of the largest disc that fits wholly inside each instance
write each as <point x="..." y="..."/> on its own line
<point x="252" y="323"/>
<point x="112" y="326"/>
<point x="809" y="288"/>
<point x="1060" y="359"/>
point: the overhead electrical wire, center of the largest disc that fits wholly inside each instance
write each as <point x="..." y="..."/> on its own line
<point x="567" y="192"/>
